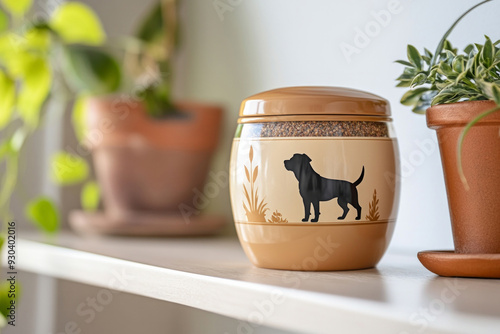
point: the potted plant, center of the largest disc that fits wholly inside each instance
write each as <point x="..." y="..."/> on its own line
<point x="151" y="154"/>
<point x="460" y="94"/>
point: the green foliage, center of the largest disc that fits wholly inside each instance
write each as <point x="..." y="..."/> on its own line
<point x="17" y="7"/>
<point x="78" y="117"/>
<point x="151" y="28"/>
<point x="7" y="98"/>
<point x="43" y="213"/>
<point x="92" y="70"/>
<point x="157" y="40"/>
<point x="36" y="84"/>
<point x="157" y="100"/>
<point x="68" y="169"/>
<point x="4" y="21"/>
<point x="90" y="196"/>
<point x="32" y="59"/>
<point x="448" y="76"/>
<point x="75" y="22"/>
<point x="471" y="75"/>
<point x="5" y="300"/>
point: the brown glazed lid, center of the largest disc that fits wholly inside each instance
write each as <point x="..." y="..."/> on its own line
<point x="314" y="101"/>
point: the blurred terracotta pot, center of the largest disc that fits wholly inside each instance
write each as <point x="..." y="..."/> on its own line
<point x="475" y="213"/>
<point x="146" y="164"/>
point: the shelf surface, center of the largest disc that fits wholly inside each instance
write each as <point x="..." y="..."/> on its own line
<point x="213" y="274"/>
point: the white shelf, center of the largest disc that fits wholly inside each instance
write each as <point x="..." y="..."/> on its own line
<point x="213" y="274"/>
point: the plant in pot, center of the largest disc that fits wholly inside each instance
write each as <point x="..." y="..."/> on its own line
<point x="151" y="153"/>
<point x="460" y="94"/>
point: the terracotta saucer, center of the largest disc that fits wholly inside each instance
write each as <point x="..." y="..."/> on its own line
<point x="451" y="264"/>
<point x="145" y="224"/>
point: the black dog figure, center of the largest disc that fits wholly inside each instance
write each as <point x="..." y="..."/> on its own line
<point x="314" y="188"/>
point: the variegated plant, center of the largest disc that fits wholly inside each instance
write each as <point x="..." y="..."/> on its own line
<point x="448" y="76"/>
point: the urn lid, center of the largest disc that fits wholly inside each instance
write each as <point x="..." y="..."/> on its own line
<point x="314" y="101"/>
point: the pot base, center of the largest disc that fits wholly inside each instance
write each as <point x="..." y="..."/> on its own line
<point x="145" y="224"/>
<point x="451" y="264"/>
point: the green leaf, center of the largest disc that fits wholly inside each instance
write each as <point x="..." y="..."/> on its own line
<point x="34" y="90"/>
<point x="495" y="90"/>
<point x="405" y="63"/>
<point x="448" y="47"/>
<point x="78" y="117"/>
<point x="428" y="53"/>
<point x="4" y="21"/>
<point x="420" y="107"/>
<point x="91" y="70"/>
<point x="469" y="48"/>
<point x="4" y="148"/>
<point x="479" y="47"/>
<point x="68" y="169"/>
<point x="458" y="64"/>
<point x="414" y="56"/>
<point x="17" y="140"/>
<point x="17" y="7"/>
<point x="488" y="53"/>
<point x="43" y="213"/>
<point x="5" y="299"/>
<point x="151" y="28"/>
<point x="443" y="98"/>
<point x="419" y="80"/>
<point x="412" y="96"/>
<point x="445" y="70"/>
<point x="470" y="65"/>
<point x="37" y="39"/>
<point x="90" y="196"/>
<point x="489" y="89"/>
<point x="7" y="99"/>
<point x="405" y="83"/>
<point x="76" y="22"/>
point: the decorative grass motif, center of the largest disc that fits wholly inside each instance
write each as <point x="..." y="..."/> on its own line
<point x="255" y="209"/>
<point x="277" y="218"/>
<point x="373" y="214"/>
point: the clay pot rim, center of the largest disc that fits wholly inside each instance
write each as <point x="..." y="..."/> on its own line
<point x="183" y="104"/>
<point x="460" y="113"/>
<point x="129" y="125"/>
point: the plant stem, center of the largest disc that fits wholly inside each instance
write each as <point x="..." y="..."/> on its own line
<point x="461" y="140"/>
<point x="445" y="36"/>
<point x="169" y="13"/>
<point x="9" y="184"/>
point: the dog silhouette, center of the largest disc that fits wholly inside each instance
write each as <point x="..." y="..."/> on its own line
<point x="314" y="188"/>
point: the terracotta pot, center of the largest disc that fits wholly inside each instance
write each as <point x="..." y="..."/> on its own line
<point x="475" y="213"/>
<point x="146" y="164"/>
